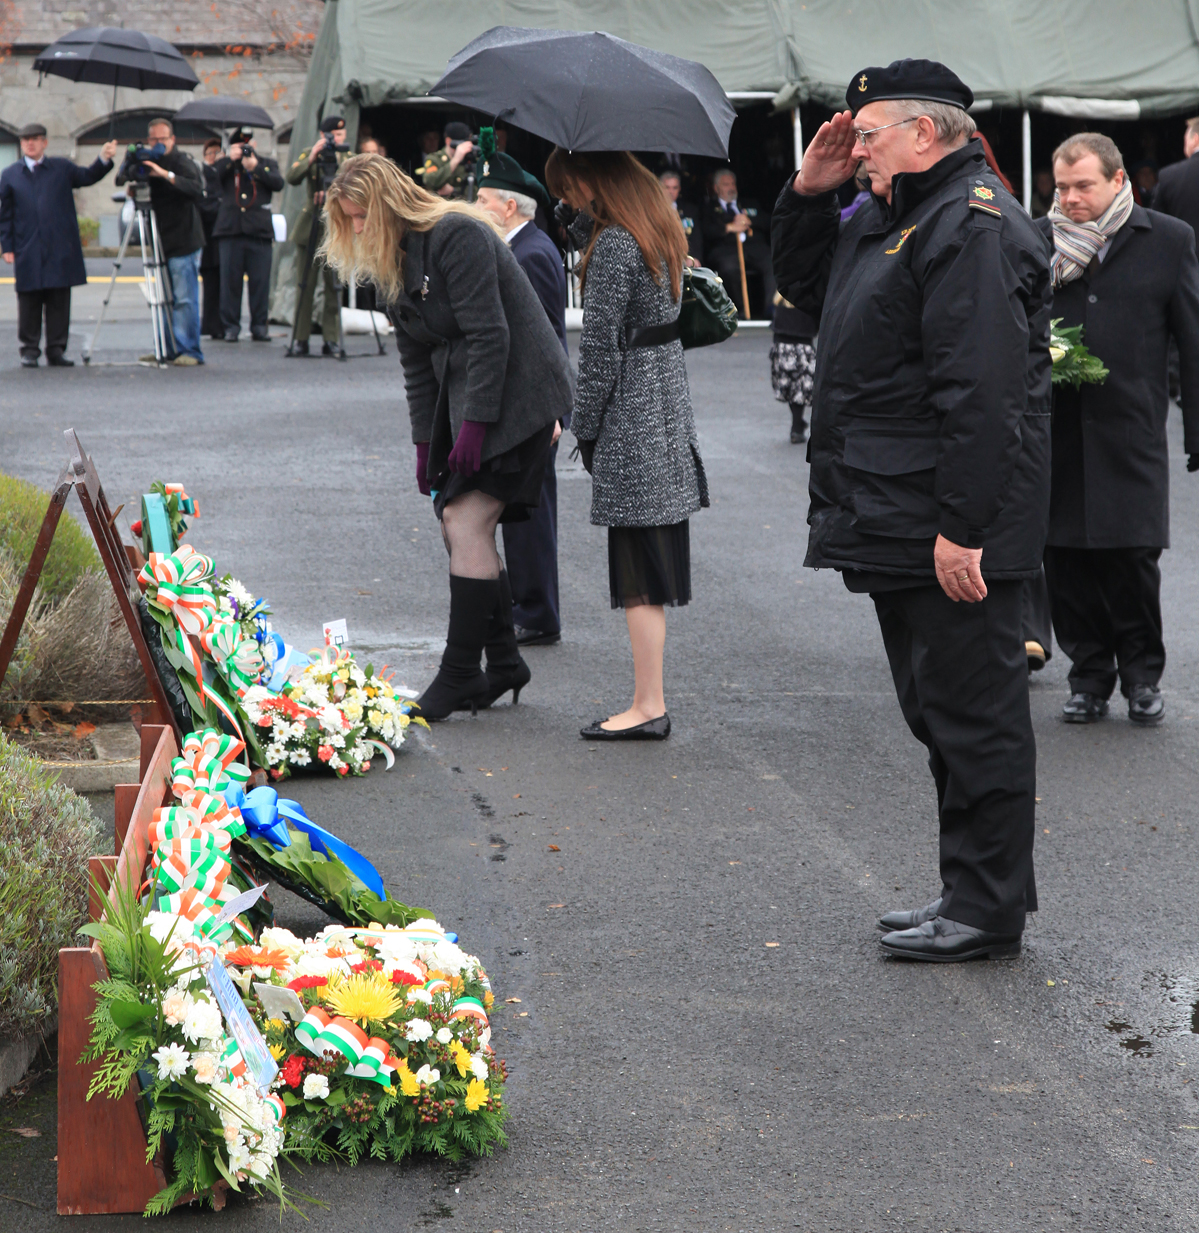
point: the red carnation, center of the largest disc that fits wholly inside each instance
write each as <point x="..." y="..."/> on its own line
<point x="400" y="977"/>
<point x="306" y="982"/>
<point x="367" y="965"/>
<point x="293" y="1070"/>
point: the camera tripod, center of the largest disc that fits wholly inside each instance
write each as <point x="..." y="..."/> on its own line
<point x="156" y="282"/>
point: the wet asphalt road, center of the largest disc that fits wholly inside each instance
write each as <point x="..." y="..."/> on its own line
<point x="708" y="1036"/>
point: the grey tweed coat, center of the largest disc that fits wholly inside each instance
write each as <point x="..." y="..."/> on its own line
<point x="634" y="404"/>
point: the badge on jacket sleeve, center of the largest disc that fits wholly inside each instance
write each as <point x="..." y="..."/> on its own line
<point x="983" y="198"/>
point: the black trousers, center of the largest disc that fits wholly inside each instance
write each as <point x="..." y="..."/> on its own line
<point x="55" y="302"/>
<point x="1038" y="623"/>
<point x="246" y="259"/>
<point x="757" y="261"/>
<point x="531" y="555"/>
<point x="961" y="675"/>
<point x="1107" y="614"/>
<point x="210" y="317"/>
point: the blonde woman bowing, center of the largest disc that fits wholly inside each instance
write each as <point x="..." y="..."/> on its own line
<point x="632" y="412"/>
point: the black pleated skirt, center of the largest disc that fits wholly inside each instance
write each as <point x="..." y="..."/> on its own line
<point x="650" y="565"/>
<point x="514" y="477"/>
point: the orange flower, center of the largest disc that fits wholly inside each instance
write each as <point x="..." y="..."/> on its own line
<point x="260" y="957"/>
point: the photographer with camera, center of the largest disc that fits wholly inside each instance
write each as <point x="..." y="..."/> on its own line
<point x="444" y="171"/>
<point x="245" y="233"/>
<point x="176" y="190"/>
<point x="316" y="167"/>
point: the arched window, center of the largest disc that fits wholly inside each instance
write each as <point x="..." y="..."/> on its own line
<point x="10" y="147"/>
<point x="131" y="126"/>
<point x="282" y="138"/>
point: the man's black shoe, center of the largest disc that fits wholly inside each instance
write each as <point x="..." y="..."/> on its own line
<point x="229" y="338"/>
<point x="894" y="921"/>
<point x="798" y="438"/>
<point x="1146" y="705"/>
<point x="945" y="941"/>
<point x="1084" y="708"/>
<point x="29" y="361"/>
<point x="535" y="637"/>
<point x="260" y="337"/>
<point x="299" y="347"/>
<point x="59" y="361"/>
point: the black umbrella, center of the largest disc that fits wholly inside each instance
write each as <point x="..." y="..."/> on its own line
<point x="588" y="90"/>
<point x="225" y="113"/>
<point x="111" y="56"/>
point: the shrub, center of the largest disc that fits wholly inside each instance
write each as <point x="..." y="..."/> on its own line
<point x="89" y="230"/>
<point x="72" y="554"/>
<point x="47" y="834"/>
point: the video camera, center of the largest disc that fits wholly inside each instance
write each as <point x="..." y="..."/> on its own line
<point x="137" y="156"/>
<point x="326" y="165"/>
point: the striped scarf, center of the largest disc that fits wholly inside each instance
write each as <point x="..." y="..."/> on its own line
<point x="1076" y="244"/>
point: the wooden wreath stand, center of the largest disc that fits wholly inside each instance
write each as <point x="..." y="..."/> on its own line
<point x="80" y="475"/>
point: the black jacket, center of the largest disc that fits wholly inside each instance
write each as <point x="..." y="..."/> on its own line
<point x="932" y="395"/>
<point x="246" y="198"/>
<point x="1177" y="191"/>
<point x="210" y="207"/>
<point x="714" y="218"/>
<point x="1111" y="473"/>
<point x="177" y="205"/>
<point x="688" y="213"/>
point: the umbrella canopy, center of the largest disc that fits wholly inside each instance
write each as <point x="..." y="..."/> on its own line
<point x="591" y="91"/>
<point x="114" y="57"/>
<point x="225" y="113"/>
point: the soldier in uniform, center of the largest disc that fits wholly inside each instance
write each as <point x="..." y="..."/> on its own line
<point x="929" y="474"/>
<point x="307" y="170"/>
<point x="444" y="171"/>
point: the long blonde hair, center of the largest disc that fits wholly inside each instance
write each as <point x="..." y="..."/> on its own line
<point x="394" y="205"/>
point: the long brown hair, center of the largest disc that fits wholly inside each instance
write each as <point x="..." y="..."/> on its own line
<point x="394" y="204"/>
<point x="624" y="194"/>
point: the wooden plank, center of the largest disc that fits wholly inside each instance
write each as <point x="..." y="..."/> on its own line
<point x="99" y="880"/>
<point x="155" y="790"/>
<point x="102" y="1163"/>
<point x="124" y="798"/>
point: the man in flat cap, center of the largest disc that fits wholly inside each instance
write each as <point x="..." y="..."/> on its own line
<point x="930" y="460"/>
<point x="511" y="196"/>
<point x="444" y="171"/>
<point x="39" y="236"/>
<point x="316" y="168"/>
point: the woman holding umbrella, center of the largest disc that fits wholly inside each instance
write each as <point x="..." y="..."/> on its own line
<point x="632" y="412"/>
<point x="486" y="379"/>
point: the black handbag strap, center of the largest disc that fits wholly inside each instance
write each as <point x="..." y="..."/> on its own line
<point x="653" y="335"/>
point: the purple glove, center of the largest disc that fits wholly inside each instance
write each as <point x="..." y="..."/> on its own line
<point x="422" y="468"/>
<point x="467" y="455"/>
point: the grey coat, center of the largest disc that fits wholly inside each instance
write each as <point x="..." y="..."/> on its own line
<point x="475" y="342"/>
<point x="634" y="404"/>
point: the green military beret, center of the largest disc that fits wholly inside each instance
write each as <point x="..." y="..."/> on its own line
<point x="502" y="171"/>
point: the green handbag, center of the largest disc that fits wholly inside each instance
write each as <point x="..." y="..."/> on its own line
<point x="706" y="314"/>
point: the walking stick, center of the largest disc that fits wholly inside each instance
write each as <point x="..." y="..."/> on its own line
<point x="744" y="283"/>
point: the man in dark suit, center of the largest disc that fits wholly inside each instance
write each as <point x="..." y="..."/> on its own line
<point x="672" y="186"/>
<point x="511" y="196"/>
<point x="39" y="235"/>
<point x="1129" y="276"/>
<point x="246" y="234"/>
<point x="1177" y="192"/>
<point x="727" y="222"/>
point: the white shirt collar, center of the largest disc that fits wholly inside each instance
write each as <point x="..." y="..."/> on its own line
<point x="514" y="230"/>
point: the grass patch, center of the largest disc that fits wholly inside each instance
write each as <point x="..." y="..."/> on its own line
<point x="71" y="555"/>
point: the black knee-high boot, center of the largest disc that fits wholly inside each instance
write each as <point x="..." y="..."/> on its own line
<point x="799" y="429"/>
<point x="506" y="670"/>
<point x="460" y="679"/>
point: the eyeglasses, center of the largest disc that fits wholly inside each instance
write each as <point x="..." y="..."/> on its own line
<point x="863" y="134"/>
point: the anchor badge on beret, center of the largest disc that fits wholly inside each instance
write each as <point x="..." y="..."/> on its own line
<point x="862" y="84"/>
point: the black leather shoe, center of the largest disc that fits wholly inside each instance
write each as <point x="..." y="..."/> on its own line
<point x="260" y="337"/>
<point x="895" y="921"/>
<point x="798" y="438"/>
<point x="1084" y="708"/>
<point x="59" y="361"/>
<point x="229" y="338"/>
<point x="29" y="361"/>
<point x="328" y="349"/>
<point x="945" y="941"/>
<point x="654" y="730"/>
<point x="299" y="347"/>
<point x="1146" y="705"/>
<point x="535" y="637"/>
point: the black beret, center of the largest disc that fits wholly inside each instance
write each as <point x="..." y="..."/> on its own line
<point x="329" y="123"/>
<point x="32" y="130"/>
<point x="919" y="79"/>
<point x="457" y="131"/>
<point x="504" y="172"/>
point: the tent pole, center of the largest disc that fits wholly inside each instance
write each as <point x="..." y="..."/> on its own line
<point x="1026" y="161"/>
<point x="797" y="135"/>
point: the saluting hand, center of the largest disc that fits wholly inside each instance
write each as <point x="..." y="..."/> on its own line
<point x="828" y="162"/>
<point x="959" y="571"/>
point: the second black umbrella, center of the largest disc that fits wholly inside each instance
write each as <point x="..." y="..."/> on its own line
<point x="225" y="113"/>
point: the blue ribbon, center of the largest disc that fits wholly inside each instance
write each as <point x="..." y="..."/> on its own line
<point x="264" y="811"/>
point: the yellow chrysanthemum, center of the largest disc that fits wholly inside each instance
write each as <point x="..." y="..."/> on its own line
<point x="408" y="1084"/>
<point x="476" y="1095"/>
<point x="488" y="1000"/>
<point x="461" y="1057"/>
<point x="363" y="997"/>
<point x="277" y="1051"/>
<point x="277" y="1024"/>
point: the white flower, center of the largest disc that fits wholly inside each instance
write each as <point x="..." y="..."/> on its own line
<point x="301" y="757"/>
<point x="239" y="1157"/>
<point x="163" y="923"/>
<point x="420" y="995"/>
<point x="478" y="1066"/>
<point x="172" y="1061"/>
<point x="419" y="1029"/>
<point x="261" y="1165"/>
<point x="428" y="1074"/>
<point x="316" y="1087"/>
<point x="274" y="938"/>
<point x="203" y="1022"/>
<point x="239" y="593"/>
<point x="444" y="1035"/>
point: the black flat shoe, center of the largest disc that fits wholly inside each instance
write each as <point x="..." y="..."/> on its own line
<point x="1084" y="708"/>
<point x="1146" y="706"/>
<point x="946" y="941"/>
<point x="59" y="361"/>
<point x="895" y="921"/>
<point x="798" y="438"/>
<point x="654" y="730"/>
<point x="299" y="347"/>
<point x="28" y="361"/>
<point x="535" y="637"/>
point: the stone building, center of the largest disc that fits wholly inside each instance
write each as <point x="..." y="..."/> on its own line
<point x="252" y="49"/>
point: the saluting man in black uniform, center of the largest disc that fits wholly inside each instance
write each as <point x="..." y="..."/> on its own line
<point x="930" y="460"/>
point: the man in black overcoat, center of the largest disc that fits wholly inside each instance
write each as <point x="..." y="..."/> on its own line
<point x="511" y="196"/>
<point x="1177" y="192"/>
<point x="39" y="235"/>
<point x="1129" y="276"/>
<point x="930" y="460"/>
<point x="688" y="212"/>
<point x="727" y="221"/>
